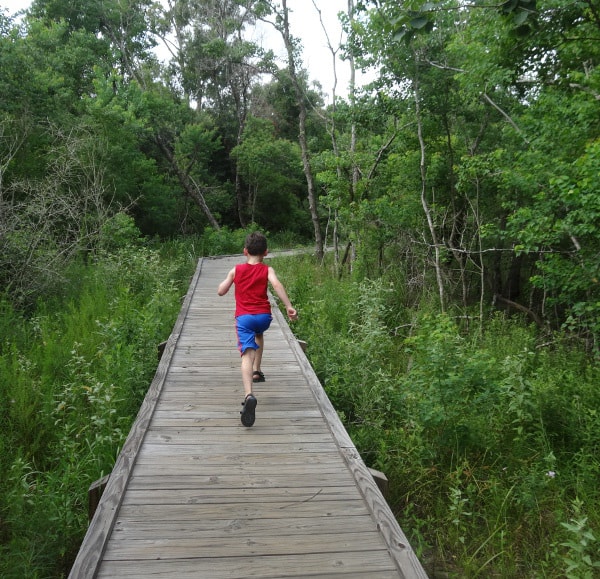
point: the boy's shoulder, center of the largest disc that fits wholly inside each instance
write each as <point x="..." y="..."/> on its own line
<point x="248" y="266"/>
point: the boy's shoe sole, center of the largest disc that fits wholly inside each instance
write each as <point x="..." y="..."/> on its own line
<point x="258" y="376"/>
<point x="248" y="412"/>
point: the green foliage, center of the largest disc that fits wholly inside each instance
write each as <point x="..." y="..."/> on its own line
<point x="486" y="437"/>
<point x="72" y="377"/>
<point x="272" y="172"/>
<point x="412" y="21"/>
<point x="224" y="241"/>
<point x="582" y="560"/>
<point x="119" y="232"/>
<point x="196" y="146"/>
<point x="562" y="225"/>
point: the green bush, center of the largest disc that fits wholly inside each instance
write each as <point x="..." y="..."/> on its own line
<point x="490" y="439"/>
<point x="72" y="378"/>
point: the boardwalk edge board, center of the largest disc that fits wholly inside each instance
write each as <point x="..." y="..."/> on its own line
<point x="94" y="543"/>
<point x="400" y="550"/>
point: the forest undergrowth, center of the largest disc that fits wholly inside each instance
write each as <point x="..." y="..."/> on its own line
<point x="489" y="433"/>
<point x="73" y="373"/>
<point x="490" y="438"/>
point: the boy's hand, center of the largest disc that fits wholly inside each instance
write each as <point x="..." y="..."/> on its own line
<point x="292" y="313"/>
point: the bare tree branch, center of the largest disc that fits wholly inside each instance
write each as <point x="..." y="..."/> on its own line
<point x="506" y="116"/>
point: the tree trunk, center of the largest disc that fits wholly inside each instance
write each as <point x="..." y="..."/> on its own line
<point x="424" y="203"/>
<point x="188" y="184"/>
<point x="310" y="182"/>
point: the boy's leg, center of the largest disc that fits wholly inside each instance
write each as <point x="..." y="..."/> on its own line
<point x="246" y="334"/>
<point x="260" y="342"/>
<point x="249" y="328"/>
<point x="247" y="363"/>
<point x="249" y="404"/>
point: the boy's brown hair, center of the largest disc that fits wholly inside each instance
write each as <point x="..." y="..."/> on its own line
<point x="256" y="243"/>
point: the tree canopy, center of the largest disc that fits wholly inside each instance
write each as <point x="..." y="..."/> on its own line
<point x="472" y="154"/>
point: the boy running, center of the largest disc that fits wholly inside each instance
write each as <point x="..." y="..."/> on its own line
<point x="253" y="313"/>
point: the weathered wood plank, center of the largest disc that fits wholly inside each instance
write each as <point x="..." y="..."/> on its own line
<point x="371" y="565"/>
<point x="229" y="480"/>
<point x="226" y="496"/>
<point x="193" y="436"/>
<point x="242" y="511"/>
<point x="216" y="465"/>
<point x="173" y="420"/>
<point x="210" y="457"/>
<point x="197" y="413"/>
<point x="254" y="546"/>
<point x="243" y="528"/>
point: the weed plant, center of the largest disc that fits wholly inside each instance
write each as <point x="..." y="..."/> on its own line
<point x="73" y="373"/>
<point x="490" y="439"/>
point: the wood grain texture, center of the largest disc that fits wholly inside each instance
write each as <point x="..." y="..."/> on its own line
<point x="196" y="494"/>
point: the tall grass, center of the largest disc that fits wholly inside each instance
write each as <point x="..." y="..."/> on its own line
<point x="73" y="373"/>
<point x="491" y="440"/>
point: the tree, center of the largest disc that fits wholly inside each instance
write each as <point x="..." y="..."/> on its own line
<point x="282" y="25"/>
<point x="53" y="194"/>
<point x="163" y="114"/>
<point x="487" y="88"/>
<point x="215" y="66"/>
<point x="45" y="223"/>
<point x="271" y="168"/>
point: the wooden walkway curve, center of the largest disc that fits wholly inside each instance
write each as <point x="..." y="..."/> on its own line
<point x="194" y="494"/>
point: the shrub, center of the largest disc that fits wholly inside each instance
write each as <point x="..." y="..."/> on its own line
<point x="487" y="437"/>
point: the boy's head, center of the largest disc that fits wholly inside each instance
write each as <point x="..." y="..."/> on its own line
<point x="256" y="244"/>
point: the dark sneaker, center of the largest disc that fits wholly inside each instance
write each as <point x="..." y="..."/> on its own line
<point x="248" y="414"/>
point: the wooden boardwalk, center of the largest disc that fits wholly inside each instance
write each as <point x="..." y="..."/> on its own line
<point x="194" y="494"/>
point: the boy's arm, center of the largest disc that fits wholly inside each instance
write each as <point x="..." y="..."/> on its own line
<point x="226" y="283"/>
<point x="282" y="294"/>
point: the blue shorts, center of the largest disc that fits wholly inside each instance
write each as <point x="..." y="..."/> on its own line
<point x="248" y="326"/>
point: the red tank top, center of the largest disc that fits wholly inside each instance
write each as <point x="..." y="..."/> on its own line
<point x="251" y="289"/>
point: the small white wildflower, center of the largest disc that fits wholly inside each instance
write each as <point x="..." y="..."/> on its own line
<point x="551" y="474"/>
